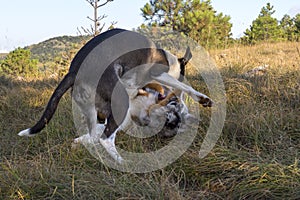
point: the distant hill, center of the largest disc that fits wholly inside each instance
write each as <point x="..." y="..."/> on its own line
<point x="49" y="50"/>
<point x="2" y="55"/>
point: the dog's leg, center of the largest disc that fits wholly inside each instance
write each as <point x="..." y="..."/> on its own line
<point x="83" y="95"/>
<point x="91" y="119"/>
<point x="108" y="139"/>
<point x="168" y="80"/>
<point x="110" y="147"/>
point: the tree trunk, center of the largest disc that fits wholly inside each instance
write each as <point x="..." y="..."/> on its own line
<point x="95" y="18"/>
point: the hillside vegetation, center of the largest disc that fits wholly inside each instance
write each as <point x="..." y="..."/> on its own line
<point x="257" y="156"/>
<point x="49" y="58"/>
<point x="52" y="48"/>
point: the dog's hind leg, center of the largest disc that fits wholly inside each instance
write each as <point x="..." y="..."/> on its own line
<point x="108" y="139"/>
<point x="83" y="96"/>
<point x="94" y="130"/>
<point x="110" y="147"/>
<point x="91" y="119"/>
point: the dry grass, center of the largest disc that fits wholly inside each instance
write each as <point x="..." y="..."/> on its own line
<point x="266" y="105"/>
<point x="257" y="156"/>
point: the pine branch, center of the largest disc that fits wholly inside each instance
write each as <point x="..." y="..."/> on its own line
<point x="91" y="2"/>
<point x="93" y="20"/>
<point x="107" y="1"/>
<point x="101" y="28"/>
<point x="101" y="17"/>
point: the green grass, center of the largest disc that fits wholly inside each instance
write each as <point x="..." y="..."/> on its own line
<point x="257" y="156"/>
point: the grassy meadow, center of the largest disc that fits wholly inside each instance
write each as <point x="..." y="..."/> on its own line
<point x="256" y="157"/>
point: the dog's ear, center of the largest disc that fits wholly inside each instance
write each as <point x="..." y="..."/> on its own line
<point x="183" y="61"/>
<point x="188" y="55"/>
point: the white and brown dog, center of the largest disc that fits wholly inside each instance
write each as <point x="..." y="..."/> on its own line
<point x="161" y="108"/>
<point x="158" y="65"/>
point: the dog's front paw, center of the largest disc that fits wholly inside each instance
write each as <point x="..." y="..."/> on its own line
<point x="202" y="99"/>
<point x="205" y="101"/>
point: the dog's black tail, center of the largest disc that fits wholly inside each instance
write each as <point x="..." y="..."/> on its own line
<point x="61" y="89"/>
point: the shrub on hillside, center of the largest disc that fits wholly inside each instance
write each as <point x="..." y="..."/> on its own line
<point x="19" y="63"/>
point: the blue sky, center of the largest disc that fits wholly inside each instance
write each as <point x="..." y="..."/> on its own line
<point x="28" y="22"/>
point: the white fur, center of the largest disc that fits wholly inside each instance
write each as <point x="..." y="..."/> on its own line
<point x="109" y="145"/>
<point x="87" y="138"/>
<point x="26" y="133"/>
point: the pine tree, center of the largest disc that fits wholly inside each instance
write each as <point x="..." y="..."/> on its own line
<point x="296" y="20"/>
<point x="264" y="27"/>
<point x="288" y="28"/>
<point x="196" y="19"/>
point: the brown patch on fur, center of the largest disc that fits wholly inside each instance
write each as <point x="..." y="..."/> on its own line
<point x="165" y="101"/>
<point x="156" y="86"/>
<point x="159" y="88"/>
